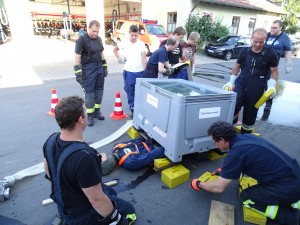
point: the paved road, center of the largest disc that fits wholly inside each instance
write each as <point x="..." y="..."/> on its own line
<point x="25" y="126"/>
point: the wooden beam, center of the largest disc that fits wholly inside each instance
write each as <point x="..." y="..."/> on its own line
<point x="221" y="214"/>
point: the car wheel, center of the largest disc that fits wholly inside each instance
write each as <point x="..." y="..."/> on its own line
<point x="227" y="55"/>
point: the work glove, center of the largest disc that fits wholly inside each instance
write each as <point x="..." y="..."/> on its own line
<point x="229" y="86"/>
<point x="122" y="60"/>
<point x="114" y="218"/>
<point x="78" y="74"/>
<point x="216" y="172"/>
<point x="104" y="65"/>
<point x="271" y="84"/>
<point x="288" y="67"/>
<point x="169" y="71"/>
<point x="195" y="184"/>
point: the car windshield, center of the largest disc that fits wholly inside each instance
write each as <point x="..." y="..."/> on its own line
<point x="228" y="39"/>
<point x="156" y="29"/>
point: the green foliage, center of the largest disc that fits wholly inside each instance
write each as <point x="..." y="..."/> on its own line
<point x="207" y="28"/>
<point x="290" y="21"/>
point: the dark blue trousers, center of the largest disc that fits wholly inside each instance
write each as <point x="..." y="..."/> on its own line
<point x="129" y="86"/>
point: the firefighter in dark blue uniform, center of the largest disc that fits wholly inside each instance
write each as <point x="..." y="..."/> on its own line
<point x="74" y="169"/>
<point x="159" y="62"/>
<point x="281" y="43"/>
<point x="253" y="67"/>
<point x="90" y="70"/>
<point x="276" y="195"/>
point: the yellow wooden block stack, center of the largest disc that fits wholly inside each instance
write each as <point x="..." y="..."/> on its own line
<point x="162" y="162"/>
<point x="207" y="177"/>
<point x="246" y="182"/>
<point x="175" y="175"/>
<point x="133" y="133"/>
<point x="213" y="155"/>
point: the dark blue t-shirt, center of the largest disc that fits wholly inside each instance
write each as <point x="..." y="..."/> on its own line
<point x="254" y="160"/>
<point x="280" y="45"/>
<point x="160" y="55"/>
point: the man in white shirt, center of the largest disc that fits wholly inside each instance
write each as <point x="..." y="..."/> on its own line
<point x="135" y="60"/>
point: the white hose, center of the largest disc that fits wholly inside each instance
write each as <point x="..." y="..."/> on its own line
<point x="39" y="168"/>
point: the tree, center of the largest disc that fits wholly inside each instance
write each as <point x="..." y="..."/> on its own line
<point x="290" y="21"/>
<point x="207" y="28"/>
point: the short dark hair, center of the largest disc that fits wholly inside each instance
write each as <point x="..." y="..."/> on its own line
<point x="68" y="110"/>
<point x="171" y="41"/>
<point x="134" y="28"/>
<point x="179" y="31"/>
<point x="94" y="22"/>
<point x="222" y="129"/>
<point x="280" y="23"/>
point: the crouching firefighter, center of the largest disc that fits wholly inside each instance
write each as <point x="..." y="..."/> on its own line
<point x="276" y="196"/>
<point x="74" y="169"/>
<point x="254" y="66"/>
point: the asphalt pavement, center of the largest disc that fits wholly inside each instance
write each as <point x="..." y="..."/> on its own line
<point x="28" y="72"/>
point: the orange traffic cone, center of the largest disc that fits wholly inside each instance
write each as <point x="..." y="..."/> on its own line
<point x="118" y="113"/>
<point x="54" y="101"/>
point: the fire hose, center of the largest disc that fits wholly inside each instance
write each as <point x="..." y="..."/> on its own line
<point x="7" y="182"/>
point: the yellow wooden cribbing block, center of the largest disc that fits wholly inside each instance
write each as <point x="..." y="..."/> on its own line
<point x="238" y="129"/>
<point x="246" y="182"/>
<point x="175" y="175"/>
<point x="133" y="133"/>
<point x="251" y="216"/>
<point x="213" y="155"/>
<point x="207" y="177"/>
<point x="264" y="98"/>
<point x="159" y="163"/>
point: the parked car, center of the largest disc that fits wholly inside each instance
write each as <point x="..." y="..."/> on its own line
<point x="228" y="46"/>
<point x="295" y="46"/>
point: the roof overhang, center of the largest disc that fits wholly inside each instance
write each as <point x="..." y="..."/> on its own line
<point x="257" y="5"/>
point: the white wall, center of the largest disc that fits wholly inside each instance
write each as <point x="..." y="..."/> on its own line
<point x="226" y="14"/>
<point x="160" y="9"/>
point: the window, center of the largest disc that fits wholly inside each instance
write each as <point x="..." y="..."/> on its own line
<point x="234" y="29"/>
<point x="172" y="19"/>
<point x="251" y="25"/>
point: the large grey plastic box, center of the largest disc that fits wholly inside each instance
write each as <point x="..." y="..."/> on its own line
<point x="177" y="113"/>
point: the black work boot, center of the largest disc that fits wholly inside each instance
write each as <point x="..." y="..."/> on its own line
<point x="90" y="119"/>
<point x="244" y="131"/>
<point x="267" y="110"/>
<point x="98" y="115"/>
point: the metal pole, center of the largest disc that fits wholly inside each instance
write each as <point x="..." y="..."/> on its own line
<point x="70" y="20"/>
<point x="119" y="8"/>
